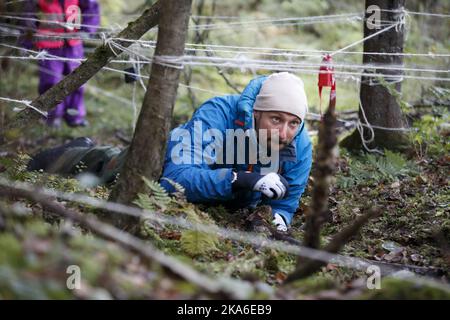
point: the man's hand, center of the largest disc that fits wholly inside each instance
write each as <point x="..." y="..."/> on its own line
<point x="272" y="185"/>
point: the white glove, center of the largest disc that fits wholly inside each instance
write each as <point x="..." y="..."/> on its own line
<point x="278" y="221"/>
<point x="271" y="186"/>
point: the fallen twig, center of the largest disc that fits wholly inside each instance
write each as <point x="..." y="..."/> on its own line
<point x="102" y="56"/>
<point x="144" y="249"/>
<point x="336" y="243"/>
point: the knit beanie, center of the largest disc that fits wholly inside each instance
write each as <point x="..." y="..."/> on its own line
<point x="282" y="92"/>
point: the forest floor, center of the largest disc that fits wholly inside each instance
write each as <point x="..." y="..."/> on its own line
<point x="413" y="230"/>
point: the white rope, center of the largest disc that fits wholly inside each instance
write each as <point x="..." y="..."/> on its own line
<point x="26" y="103"/>
<point x="229" y="25"/>
<point x="132" y="104"/>
<point x="357" y="123"/>
<point x="314" y="115"/>
<point x="250" y="50"/>
<point x="138" y="67"/>
<point x="6" y="30"/>
<point x="180" y="84"/>
<point x="69" y="35"/>
<point x="364" y="39"/>
<point x="108" y="94"/>
<point x="107" y="41"/>
<point x="44" y="14"/>
<point x="59" y="23"/>
<point x="169" y="61"/>
<point x="216" y="93"/>
<point x="253" y="64"/>
<point x="280" y="51"/>
<point x="280" y="68"/>
<point x="206" y="17"/>
<point x="427" y="14"/>
<point x="359" y="127"/>
<point x="139" y="76"/>
<point x="256" y="22"/>
<point x="89" y="86"/>
<point x="178" y="62"/>
<point x="133" y="101"/>
<point x="188" y="59"/>
<point x="439" y="15"/>
<point x="112" y="44"/>
<point x="279" y="22"/>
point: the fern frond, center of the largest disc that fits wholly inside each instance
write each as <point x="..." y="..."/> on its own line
<point x="179" y="189"/>
<point x="144" y="201"/>
<point x="158" y="195"/>
<point x="396" y="160"/>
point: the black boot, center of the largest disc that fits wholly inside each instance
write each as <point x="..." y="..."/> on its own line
<point x="46" y="158"/>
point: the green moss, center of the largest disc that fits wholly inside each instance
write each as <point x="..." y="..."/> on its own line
<point x="11" y="252"/>
<point x="315" y="284"/>
<point x="395" y="289"/>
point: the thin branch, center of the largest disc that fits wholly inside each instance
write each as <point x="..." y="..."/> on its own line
<point x="324" y="169"/>
<point x="201" y="36"/>
<point x="334" y="246"/>
<point x="222" y="74"/>
<point x="144" y="249"/>
<point x="101" y="57"/>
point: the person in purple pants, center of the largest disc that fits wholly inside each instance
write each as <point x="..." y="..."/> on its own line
<point x="56" y="33"/>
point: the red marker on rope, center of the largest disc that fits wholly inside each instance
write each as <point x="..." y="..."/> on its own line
<point x="326" y="79"/>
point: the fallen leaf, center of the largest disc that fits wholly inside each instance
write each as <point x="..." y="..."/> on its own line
<point x="391" y="246"/>
<point x="230" y="257"/>
<point x="171" y="235"/>
<point x="331" y="266"/>
<point x="421" y="179"/>
<point x="395" y="185"/>
<point x="389" y="257"/>
<point x="280" y="276"/>
<point x="416" y="257"/>
<point x="379" y="256"/>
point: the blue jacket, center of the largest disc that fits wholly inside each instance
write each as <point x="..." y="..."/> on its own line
<point x="211" y="183"/>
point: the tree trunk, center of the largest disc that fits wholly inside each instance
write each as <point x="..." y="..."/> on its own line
<point x="101" y="57"/>
<point x="146" y="153"/>
<point x="380" y="106"/>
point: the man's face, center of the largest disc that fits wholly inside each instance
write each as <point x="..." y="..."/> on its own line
<point x="285" y="125"/>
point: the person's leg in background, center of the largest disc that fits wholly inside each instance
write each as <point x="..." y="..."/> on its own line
<point x="45" y="159"/>
<point x="75" y="111"/>
<point x="50" y="73"/>
<point x="81" y="156"/>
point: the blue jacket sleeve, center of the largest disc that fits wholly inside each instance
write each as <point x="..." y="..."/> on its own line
<point x="297" y="175"/>
<point x="184" y="163"/>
